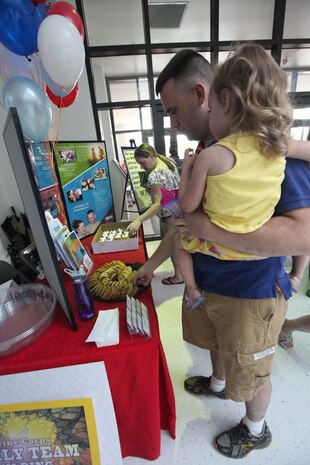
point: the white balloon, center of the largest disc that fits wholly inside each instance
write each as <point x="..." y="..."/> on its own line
<point x="61" y="50"/>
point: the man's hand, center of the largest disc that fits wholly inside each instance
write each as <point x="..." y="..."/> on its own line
<point x="144" y="275"/>
<point x="181" y="228"/>
<point x="196" y="224"/>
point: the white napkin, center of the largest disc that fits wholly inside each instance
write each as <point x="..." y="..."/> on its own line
<point x="105" y="331"/>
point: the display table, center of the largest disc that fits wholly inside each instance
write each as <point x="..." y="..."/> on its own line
<point x="137" y="370"/>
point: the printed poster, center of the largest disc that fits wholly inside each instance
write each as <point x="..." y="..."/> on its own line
<point x="41" y="159"/>
<point x="58" y="432"/>
<point x="143" y="199"/>
<point x="86" y="186"/>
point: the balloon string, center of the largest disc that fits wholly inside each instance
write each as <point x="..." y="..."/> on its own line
<point x="4" y="75"/>
<point x="32" y="76"/>
<point x="39" y="77"/>
<point x="39" y="72"/>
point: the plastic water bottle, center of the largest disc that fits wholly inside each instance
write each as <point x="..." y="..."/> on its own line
<point x="82" y="295"/>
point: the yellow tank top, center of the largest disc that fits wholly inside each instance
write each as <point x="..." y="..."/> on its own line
<point x="244" y="198"/>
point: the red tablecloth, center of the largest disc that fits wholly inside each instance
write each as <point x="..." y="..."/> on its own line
<point x="137" y="370"/>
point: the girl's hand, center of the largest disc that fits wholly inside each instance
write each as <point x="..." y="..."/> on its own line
<point x="295" y="281"/>
<point x="134" y="226"/>
<point x="189" y="159"/>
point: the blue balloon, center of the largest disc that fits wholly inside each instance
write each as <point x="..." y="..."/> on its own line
<point x="33" y="106"/>
<point x="41" y="12"/>
<point x="19" y="25"/>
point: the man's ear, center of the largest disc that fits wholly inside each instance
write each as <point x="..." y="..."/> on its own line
<point x="226" y="100"/>
<point x="200" y="93"/>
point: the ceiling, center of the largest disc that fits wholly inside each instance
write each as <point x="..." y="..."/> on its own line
<point x="112" y="23"/>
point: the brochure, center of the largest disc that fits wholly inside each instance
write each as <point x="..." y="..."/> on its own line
<point x="78" y="253"/>
<point x="59" y="240"/>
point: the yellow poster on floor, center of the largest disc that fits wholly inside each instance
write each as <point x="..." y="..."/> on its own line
<point x="57" y="432"/>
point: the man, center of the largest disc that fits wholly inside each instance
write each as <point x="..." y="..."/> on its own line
<point x="241" y="341"/>
<point x="93" y="224"/>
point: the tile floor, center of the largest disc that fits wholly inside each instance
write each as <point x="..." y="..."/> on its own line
<point x="200" y="419"/>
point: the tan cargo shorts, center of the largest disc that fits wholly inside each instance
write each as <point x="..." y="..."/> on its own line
<point x="246" y="333"/>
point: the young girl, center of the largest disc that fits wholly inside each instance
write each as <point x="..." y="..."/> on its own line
<point x="238" y="179"/>
<point x="159" y="172"/>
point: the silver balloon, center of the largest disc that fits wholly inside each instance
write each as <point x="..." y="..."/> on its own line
<point x="33" y="106"/>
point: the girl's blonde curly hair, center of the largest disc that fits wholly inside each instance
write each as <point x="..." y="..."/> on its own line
<point x="261" y="103"/>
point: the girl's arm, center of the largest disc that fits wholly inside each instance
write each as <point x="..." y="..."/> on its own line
<point x="212" y="161"/>
<point x="152" y="211"/>
<point x="187" y="168"/>
<point x="299" y="149"/>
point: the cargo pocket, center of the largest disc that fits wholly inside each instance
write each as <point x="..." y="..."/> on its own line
<point x="251" y="373"/>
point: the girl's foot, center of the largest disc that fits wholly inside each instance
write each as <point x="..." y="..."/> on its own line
<point x="285" y="339"/>
<point x="193" y="299"/>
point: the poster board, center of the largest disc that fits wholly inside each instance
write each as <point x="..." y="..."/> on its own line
<point x="85" y="181"/>
<point x="52" y="431"/>
<point x="84" y="381"/>
<point x="27" y="185"/>
<point x="134" y="172"/>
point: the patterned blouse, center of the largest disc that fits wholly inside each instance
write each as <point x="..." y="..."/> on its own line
<point x="165" y="178"/>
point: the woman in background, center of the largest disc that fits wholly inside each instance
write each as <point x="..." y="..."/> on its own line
<point x="159" y="172"/>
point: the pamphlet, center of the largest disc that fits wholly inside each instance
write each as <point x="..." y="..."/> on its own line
<point x="77" y="252"/>
<point x="59" y="240"/>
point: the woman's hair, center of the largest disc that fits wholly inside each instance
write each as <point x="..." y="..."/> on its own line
<point x="76" y="224"/>
<point x="146" y="151"/>
<point x="260" y="100"/>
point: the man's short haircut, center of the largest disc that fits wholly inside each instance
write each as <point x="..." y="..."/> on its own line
<point x="90" y="211"/>
<point x="185" y="66"/>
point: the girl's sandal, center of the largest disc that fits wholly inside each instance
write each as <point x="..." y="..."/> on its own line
<point x="285" y="340"/>
<point x="191" y="303"/>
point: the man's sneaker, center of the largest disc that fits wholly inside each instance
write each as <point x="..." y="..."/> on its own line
<point x="201" y="385"/>
<point x="238" y="442"/>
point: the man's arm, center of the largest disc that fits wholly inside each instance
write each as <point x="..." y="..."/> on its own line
<point x="288" y="234"/>
<point x="299" y="149"/>
<point x="163" y="251"/>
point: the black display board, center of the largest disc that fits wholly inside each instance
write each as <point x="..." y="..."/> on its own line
<point x="21" y="164"/>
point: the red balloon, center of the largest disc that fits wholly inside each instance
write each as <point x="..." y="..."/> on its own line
<point x="63" y="102"/>
<point x="67" y="10"/>
<point x="37" y="2"/>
